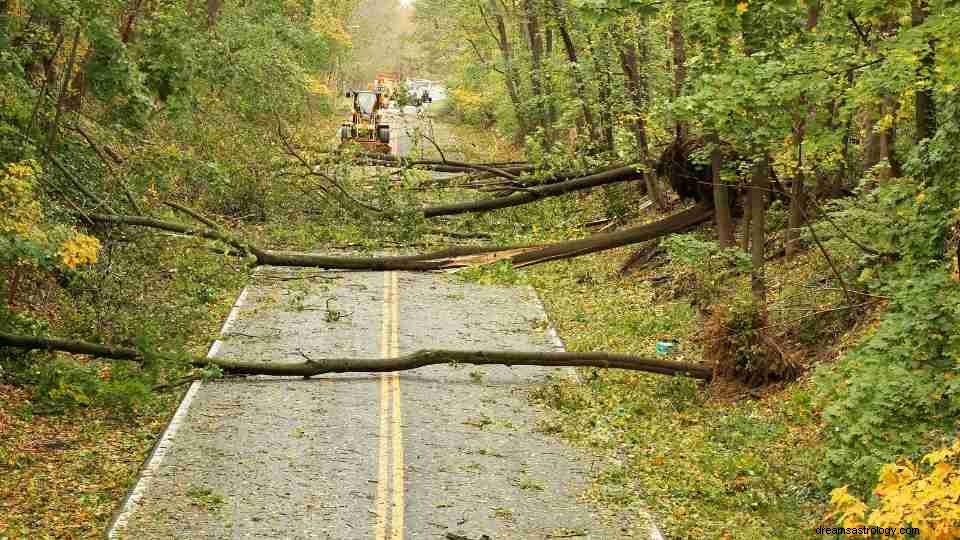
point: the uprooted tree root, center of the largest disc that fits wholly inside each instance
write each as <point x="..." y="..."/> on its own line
<point x="740" y="347"/>
<point x="427" y="357"/>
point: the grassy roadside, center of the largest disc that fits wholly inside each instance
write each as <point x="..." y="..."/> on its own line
<point x="67" y="454"/>
<point x="705" y="463"/>
<point x="709" y="461"/>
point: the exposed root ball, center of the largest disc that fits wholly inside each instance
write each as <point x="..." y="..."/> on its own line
<point x="688" y="179"/>
<point x="742" y="349"/>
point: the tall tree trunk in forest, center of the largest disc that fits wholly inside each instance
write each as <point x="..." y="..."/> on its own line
<point x="535" y="43"/>
<point x="879" y="145"/>
<point x="601" y="60"/>
<point x="759" y="185"/>
<point x="926" y="114"/>
<point x="888" y="142"/>
<point x="638" y="89"/>
<point x="510" y="76"/>
<point x="745" y="228"/>
<point x="795" y="219"/>
<point x="721" y="197"/>
<point x="795" y="216"/>
<point x="213" y="12"/>
<point x="571" y="51"/>
<point x="130" y="20"/>
<point x="549" y="80"/>
<point x="64" y="89"/>
<point x="679" y="61"/>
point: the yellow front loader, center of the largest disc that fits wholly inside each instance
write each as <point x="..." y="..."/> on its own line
<point x="366" y="127"/>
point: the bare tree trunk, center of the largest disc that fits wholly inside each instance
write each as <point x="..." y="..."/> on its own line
<point x="549" y="82"/>
<point x="638" y="89"/>
<point x="602" y="62"/>
<point x="571" y="52"/>
<point x="535" y="43"/>
<point x="213" y="12"/>
<point x="679" y="61"/>
<point x="745" y="236"/>
<point x="795" y="216"/>
<point x="926" y="113"/>
<point x="721" y="198"/>
<point x="510" y="75"/>
<point x="64" y="89"/>
<point x="759" y="185"/>
<point x="888" y="142"/>
<point x="129" y="22"/>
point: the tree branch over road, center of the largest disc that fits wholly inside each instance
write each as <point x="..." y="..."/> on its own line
<point x="426" y="357"/>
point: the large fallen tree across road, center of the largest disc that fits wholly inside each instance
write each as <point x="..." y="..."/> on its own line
<point x="319" y="366"/>
<point x="519" y="255"/>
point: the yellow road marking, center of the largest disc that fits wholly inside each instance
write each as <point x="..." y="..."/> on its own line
<point x="391" y="422"/>
<point x="383" y="456"/>
<point x="398" y="506"/>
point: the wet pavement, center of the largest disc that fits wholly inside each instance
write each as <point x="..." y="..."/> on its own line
<point x="419" y="455"/>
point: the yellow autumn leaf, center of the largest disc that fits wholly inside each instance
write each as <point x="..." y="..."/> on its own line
<point x="742" y="7"/>
<point x="80" y="250"/>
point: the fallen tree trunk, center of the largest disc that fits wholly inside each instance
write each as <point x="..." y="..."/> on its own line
<point x="519" y="255"/>
<point x="437" y="260"/>
<point x="418" y="359"/>
<point x="612" y="176"/>
<point x="70" y="346"/>
<point x="429" y="357"/>
<point x="385" y="160"/>
<point x="676" y="223"/>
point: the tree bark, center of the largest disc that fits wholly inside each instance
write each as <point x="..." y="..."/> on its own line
<point x="510" y="75"/>
<point x="535" y="43"/>
<point x="759" y="186"/>
<point x="518" y="255"/>
<point x="621" y="174"/>
<point x="418" y="359"/>
<point x="64" y="89"/>
<point x="745" y="236"/>
<point x="638" y="90"/>
<point x="926" y="114"/>
<point x="580" y="86"/>
<point x="129" y="22"/>
<point x="721" y="198"/>
<point x="679" y="61"/>
<point x="602" y="62"/>
<point x="795" y="217"/>
<point x="213" y="12"/>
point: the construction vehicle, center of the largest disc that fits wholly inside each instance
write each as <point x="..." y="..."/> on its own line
<point x="366" y="127"/>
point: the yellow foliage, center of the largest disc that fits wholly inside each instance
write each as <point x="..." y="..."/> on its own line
<point x="467" y="97"/>
<point x="317" y="87"/>
<point x="330" y="27"/>
<point x="80" y="250"/>
<point x="884" y="123"/>
<point x="742" y="7"/>
<point x="924" y="495"/>
<point x="20" y="212"/>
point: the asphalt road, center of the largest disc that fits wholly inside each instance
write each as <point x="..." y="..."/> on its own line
<point x="418" y="455"/>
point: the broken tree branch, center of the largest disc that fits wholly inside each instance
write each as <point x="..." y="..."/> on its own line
<point x="612" y="176"/>
<point x="426" y="357"/>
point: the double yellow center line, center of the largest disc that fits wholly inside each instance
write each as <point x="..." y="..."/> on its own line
<point x="389" y="505"/>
